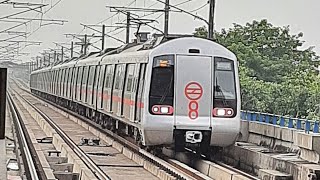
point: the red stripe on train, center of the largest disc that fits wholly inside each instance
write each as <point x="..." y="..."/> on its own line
<point x="115" y="98"/>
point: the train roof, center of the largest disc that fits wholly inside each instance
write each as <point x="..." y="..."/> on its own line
<point x="139" y="53"/>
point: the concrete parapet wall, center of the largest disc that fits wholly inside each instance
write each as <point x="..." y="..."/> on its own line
<point x="254" y="158"/>
<point x="282" y="139"/>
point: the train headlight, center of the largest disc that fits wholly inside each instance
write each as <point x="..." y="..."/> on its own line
<point x="222" y="112"/>
<point x="229" y="112"/>
<point x="155" y="109"/>
<point x="164" y="110"/>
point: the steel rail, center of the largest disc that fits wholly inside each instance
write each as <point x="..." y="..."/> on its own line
<point x="24" y="147"/>
<point x="173" y="169"/>
<point x="81" y="154"/>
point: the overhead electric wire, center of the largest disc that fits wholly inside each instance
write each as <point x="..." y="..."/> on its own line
<point x="118" y="32"/>
<point x="179" y="4"/>
<point x="34" y="31"/>
<point x="197" y="9"/>
<point x="184" y="2"/>
<point x="186" y="12"/>
<point x="21" y="12"/>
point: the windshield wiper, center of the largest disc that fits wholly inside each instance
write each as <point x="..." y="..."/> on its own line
<point x="163" y="97"/>
<point x="218" y="89"/>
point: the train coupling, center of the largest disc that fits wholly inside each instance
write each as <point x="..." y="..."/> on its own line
<point x="193" y="137"/>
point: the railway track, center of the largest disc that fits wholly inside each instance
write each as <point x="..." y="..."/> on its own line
<point x="169" y="169"/>
<point x="65" y="124"/>
<point x="26" y="151"/>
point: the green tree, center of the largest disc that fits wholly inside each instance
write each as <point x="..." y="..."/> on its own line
<point x="276" y="76"/>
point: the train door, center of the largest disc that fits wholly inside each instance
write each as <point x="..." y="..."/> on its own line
<point x="100" y="87"/>
<point x="90" y="87"/>
<point x="84" y="84"/>
<point x="129" y="92"/>
<point x="193" y="92"/>
<point x="140" y="84"/>
<point x="117" y="89"/>
<point x="50" y="82"/>
<point x="59" y="83"/>
<point x="65" y="82"/>
<point x="108" y="88"/>
<point x="73" y="83"/>
<point x="78" y="86"/>
<point x="95" y="86"/>
<point x="54" y="82"/>
<point x="69" y="83"/>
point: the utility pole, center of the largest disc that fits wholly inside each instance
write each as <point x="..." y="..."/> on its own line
<point x="85" y="44"/>
<point x="128" y="28"/>
<point x="211" y="19"/>
<point x="37" y="62"/>
<point x="71" y="49"/>
<point x="49" y="58"/>
<point x="62" y="54"/>
<point x="3" y="92"/>
<point x="166" y="18"/>
<point x="103" y="34"/>
<point x="54" y="56"/>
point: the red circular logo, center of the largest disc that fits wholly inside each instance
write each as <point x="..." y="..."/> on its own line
<point x="193" y="91"/>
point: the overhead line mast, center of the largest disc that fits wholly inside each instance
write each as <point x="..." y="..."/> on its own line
<point x="166" y="19"/>
<point x="211" y="19"/>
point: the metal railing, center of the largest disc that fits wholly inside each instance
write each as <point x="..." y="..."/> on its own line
<point x="282" y="121"/>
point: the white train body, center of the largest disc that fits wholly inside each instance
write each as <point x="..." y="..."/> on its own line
<point x="182" y="91"/>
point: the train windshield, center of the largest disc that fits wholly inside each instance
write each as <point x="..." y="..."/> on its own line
<point x="162" y="81"/>
<point x="224" y="79"/>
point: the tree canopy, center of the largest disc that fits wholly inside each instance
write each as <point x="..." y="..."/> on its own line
<point x="276" y="74"/>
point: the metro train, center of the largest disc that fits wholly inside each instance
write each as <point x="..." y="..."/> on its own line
<point x="178" y="92"/>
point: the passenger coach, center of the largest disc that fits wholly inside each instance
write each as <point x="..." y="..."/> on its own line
<point x="181" y="92"/>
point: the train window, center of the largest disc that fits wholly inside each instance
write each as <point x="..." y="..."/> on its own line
<point x="59" y="82"/>
<point x="140" y="92"/>
<point x="73" y="82"/>
<point x="74" y="76"/>
<point x="130" y="77"/>
<point x="109" y="76"/>
<point x="66" y="81"/>
<point x="102" y="74"/>
<point x="64" y="77"/>
<point x="117" y="77"/>
<point x="53" y="81"/>
<point x="91" y="75"/>
<point x="85" y="82"/>
<point x="224" y="85"/>
<point x="96" y="77"/>
<point x="79" y="77"/>
<point x="80" y="69"/>
<point x="85" y="75"/>
<point x="70" y="75"/>
<point x="71" y="72"/>
<point x="162" y="82"/>
<point x="224" y="79"/>
<point x="47" y="82"/>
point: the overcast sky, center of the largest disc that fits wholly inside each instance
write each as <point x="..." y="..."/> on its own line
<point x="301" y="16"/>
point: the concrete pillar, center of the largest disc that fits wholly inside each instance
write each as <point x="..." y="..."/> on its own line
<point x="3" y="91"/>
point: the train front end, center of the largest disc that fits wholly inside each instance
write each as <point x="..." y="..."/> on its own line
<point x="194" y="97"/>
